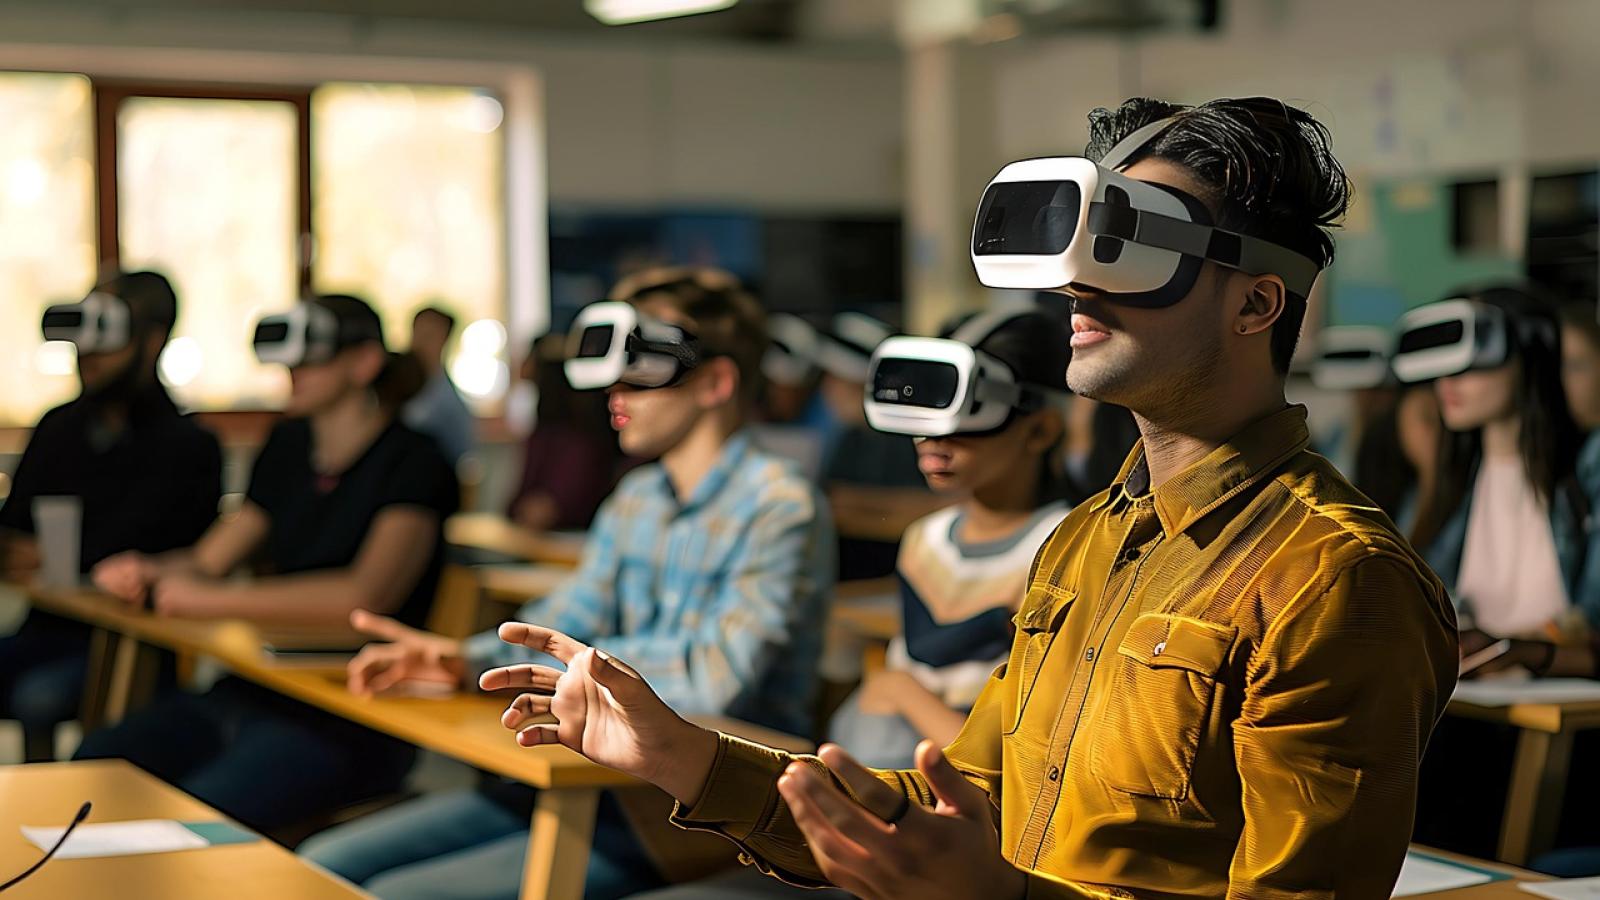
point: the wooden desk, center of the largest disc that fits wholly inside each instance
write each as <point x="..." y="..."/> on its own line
<point x="497" y="534"/>
<point x="1538" y="771"/>
<point x="465" y="727"/>
<point x="519" y="584"/>
<point x="50" y="793"/>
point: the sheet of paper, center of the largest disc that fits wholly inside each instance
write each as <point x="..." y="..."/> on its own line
<point x="1505" y="692"/>
<point x="117" y="838"/>
<point x="1424" y="875"/>
<point x="1572" y="889"/>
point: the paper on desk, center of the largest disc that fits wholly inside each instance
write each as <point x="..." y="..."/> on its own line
<point x="117" y="838"/>
<point x="1423" y="875"/>
<point x="1505" y="692"/>
<point x="1571" y="889"/>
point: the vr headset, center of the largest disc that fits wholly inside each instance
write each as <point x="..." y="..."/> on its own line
<point x="1351" y="358"/>
<point x="1044" y="224"/>
<point x="1451" y="337"/>
<point x="611" y="342"/>
<point x="791" y="356"/>
<point x="308" y="334"/>
<point x="934" y="387"/>
<point x="846" y="350"/>
<point x="99" y="323"/>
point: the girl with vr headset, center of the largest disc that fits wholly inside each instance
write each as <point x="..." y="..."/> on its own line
<point x="345" y="507"/>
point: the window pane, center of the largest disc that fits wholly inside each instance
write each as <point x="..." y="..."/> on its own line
<point x="207" y="195"/>
<point x="47" y="237"/>
<point x="440" y="240"/>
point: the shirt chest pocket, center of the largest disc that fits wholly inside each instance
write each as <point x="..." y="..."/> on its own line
<point x="1038" y="623"/>
<point x="1163" y="685"/>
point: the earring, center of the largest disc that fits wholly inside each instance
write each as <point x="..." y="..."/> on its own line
<point x="1243" y="329"/>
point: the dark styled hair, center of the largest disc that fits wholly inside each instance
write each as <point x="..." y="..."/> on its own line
<point x="149" y="296"/>
<point x="1268" y="168"/>
<point x="1580" y="316"/>
<point x="1550" y="438"/>
<point x="1037" y="346"/>
<point x="435" y="312"/>
<point x="723" y="316"/>
<point x="401" y="376"/>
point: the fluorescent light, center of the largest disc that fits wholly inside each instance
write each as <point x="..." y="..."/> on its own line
<point x="627" y="12"/>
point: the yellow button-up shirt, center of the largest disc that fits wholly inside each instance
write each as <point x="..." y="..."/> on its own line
<point x="1222" y="687"/>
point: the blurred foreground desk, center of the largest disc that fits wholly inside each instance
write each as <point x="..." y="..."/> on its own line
<point x="49" y="794"/>
<point x="465" y="727"/>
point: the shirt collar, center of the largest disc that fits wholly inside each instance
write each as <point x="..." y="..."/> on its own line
<point x="1241" y="461"/>
<point x="734" y="451"/>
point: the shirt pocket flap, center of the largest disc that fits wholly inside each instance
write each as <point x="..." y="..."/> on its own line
<point x="1163" y="641"/>
<point x="1043" y="607"/>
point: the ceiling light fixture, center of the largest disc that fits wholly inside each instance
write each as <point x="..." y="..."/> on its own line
<point x="629" y="12"/>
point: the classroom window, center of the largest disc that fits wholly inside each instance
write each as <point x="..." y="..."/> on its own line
<point x="47" y="223"/>
<point x="438" y="241"/>
<point x="207" y="195"/>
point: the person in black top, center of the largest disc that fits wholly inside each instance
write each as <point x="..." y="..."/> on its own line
<point x="147" y="478"/>
<point x="345" y="508"/>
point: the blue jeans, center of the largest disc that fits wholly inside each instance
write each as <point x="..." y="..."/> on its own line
<point x="263" y="759"/>
<point x="466" y="846"/>
<point x="41" y="678"/>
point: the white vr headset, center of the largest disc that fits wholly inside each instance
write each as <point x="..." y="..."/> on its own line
<point x="1451" y="337"/>
<point x="1352" y="358"/>
<point x="611" y="342"/>
<point x="934" y="387"/>
<point x="307" y="335"/>
<point x="1044" y="224"/>
<point x="99" y="323"/>
<point x="791" y="357"/>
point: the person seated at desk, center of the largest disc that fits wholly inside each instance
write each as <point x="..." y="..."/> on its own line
<point x="344" y="507"/>
<point x="963" y="570"/>
<point x="570" y="461"/>
<point x="437" y="410"/>
<point x="871" y="477"/>
<point x="1506" y="526"/>
<point x="1226" y="666"/>
<point x="146" y="477"/>
<point x="710" y="569"/>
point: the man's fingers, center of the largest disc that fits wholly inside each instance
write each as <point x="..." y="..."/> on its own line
<point x="380" y="627"/>
<point x="879" y="798"/>
<point x="524" y="708"/>
<point x="614" y="675"/>
<point x="534" y="735"/>
<point x="544" y="640"/>
<point x="953" y="790"/>
<point x="846" y="815"/>
<point x="822" y="832"/>
<point x="362" y="668"/>
<point x="525" y="676"/>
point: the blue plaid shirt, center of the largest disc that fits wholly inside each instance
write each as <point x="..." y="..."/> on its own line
<point x="718" y="601"/>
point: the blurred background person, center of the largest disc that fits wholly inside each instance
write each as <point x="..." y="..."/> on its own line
<point x="345" y="508"/>
<point x="438" y="410"/>
<point x="147" y="477"/>
<point x="571" y="459"/>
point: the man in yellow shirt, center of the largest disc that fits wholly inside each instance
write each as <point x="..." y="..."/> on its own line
<point x="1227" y="666"/>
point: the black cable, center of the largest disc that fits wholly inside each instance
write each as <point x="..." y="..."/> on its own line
<point x="83" y="813"/>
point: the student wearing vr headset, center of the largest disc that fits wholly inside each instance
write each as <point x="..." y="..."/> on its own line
<point x="1226" y="666"/>
<point x="146" y="476"/>
<point x="345" y="509"/>
<point x="709" y="569"/>
<point x="1508" y="528"/>
<point x="962" y="570"/>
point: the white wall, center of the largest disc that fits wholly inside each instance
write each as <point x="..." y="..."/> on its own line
<point x="774" y="128"/>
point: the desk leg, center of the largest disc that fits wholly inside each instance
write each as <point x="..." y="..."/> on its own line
<point x="558" y="847"/>
<point x="97" y="680"/>
<point x="132" y="678"/>
<point x="1533" y="803"/>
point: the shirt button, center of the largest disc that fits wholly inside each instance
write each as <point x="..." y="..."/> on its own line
<point x="1055" y="773"/>
<point x="1088" y="655"/>
<point x="1131" y="554"/>
<point x="1160" y="648"/>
